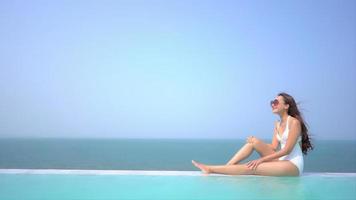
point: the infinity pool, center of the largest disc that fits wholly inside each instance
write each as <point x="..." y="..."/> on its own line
<point x="22" y="184"/>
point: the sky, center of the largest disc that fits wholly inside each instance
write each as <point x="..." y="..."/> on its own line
<point x="175" y="68"/>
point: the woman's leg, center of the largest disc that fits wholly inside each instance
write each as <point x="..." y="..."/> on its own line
<point x="277" y="168"/>
<point x="256" y="144"/>
<point x="224" y="169"/>
<point x="243" y="153"/>
<point x="272" y="168"/>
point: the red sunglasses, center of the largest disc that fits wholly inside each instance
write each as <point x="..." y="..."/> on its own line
<point x="274" y="102"/>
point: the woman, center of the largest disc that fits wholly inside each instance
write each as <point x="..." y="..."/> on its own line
<point x="291" y="133"/>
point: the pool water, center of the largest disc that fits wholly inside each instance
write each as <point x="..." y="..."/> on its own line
<point x="106" y="184"/>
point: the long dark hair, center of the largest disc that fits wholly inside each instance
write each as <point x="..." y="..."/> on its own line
<point x="294" y="112"/>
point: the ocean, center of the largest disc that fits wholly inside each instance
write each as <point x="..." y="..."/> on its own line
<point x="154" y="154"/>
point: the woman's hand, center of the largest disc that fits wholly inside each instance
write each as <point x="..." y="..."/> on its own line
<point x="254" y="163"/>
<point x="250" y="139"/>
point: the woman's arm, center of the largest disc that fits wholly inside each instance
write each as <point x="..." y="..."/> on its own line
<point x="275" y="142"/>
<point x="293" y="134"/>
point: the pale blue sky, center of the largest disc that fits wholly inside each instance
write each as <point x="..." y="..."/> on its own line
<point x="175" y="69"/>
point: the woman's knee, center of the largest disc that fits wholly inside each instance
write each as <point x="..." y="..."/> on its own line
<point x="252" y="140"/>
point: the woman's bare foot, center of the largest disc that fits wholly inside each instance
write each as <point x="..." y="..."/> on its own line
<point x="205" y="169"/>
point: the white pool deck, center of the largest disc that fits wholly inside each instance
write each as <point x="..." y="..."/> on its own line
<point x="144" y="172"/>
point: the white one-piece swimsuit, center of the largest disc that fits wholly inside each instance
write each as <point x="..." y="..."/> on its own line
<point x="296" y="155"/>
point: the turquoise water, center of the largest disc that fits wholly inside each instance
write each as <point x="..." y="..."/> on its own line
<point x="90" y="187"/>
<point x="158" y="154"/>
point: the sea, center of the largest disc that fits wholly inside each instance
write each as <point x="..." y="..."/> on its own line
<point x="154" y="154"/>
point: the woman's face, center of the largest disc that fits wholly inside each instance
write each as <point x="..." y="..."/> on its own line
<point x="278" y="106"/>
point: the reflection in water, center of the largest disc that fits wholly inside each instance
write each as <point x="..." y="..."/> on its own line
<point x="258" y="186"/>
